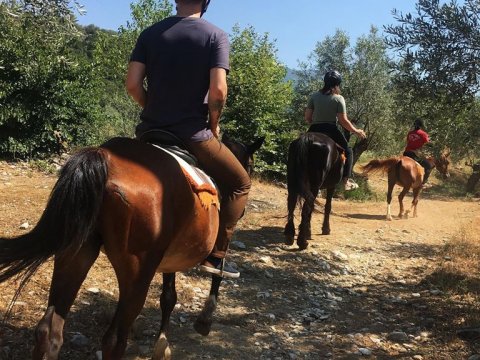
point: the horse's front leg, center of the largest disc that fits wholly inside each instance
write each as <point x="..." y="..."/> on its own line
<point x="328" y="209"/>
<point x="203" y="323"/>
<point x="168" y="299"/>
<point x="289" y="231"/>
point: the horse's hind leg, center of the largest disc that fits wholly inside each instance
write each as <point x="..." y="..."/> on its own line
<point x="69" y="272"/>
<point x="416" y="193"/>
<point x="168" y="299"/>
<point x="289" y="231"/>
<point x="204" y="321"/>
<point x="391" y="185"/>
<point x="305" y="232"/>
<point x="134" y="274"/>
<point x="402" y="194"/>
<point x="328" y="209"/>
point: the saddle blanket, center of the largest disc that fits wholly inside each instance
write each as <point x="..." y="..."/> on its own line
<point x="202" y="185"/>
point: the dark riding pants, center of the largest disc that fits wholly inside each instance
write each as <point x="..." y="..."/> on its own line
<point x="234" y="184"/>
<point x="426" y="165"/>
<point x="335" y="134"/>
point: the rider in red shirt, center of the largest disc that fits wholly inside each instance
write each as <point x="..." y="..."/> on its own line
<point x="416" y="139"/>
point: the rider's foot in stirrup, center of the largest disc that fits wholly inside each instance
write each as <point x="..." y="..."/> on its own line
<point x="350" y="184"/>
<point x="219" y="267"/>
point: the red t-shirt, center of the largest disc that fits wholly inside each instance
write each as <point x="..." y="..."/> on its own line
<point x="416" y="139"/>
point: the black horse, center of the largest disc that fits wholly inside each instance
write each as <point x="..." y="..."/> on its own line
<point x="314" y="162"/>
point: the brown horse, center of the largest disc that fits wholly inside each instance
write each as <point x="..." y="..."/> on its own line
<point x="315" y="162"/>
<point x="133" y="200"/>
<point x="407" y="173"/>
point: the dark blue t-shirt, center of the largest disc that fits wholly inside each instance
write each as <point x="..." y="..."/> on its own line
<point x="178" y="54"/>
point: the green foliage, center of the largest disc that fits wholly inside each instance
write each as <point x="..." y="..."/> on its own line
<point x="365" y="86"/>
<point x="259" y="98"/>
<point x="437" y="76"/>
<point x="110" y="58"/>
<point x="45" y="94"/>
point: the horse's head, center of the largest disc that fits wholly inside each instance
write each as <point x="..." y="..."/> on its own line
<point x="244" y="153"/>
<point x="442" y="162"/>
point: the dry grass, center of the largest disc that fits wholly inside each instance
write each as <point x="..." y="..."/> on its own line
<point x="462" y="260"/>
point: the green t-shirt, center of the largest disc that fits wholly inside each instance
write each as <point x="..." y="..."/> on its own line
<point x="326" y="107"/>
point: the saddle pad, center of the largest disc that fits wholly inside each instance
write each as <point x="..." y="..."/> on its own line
<point x="201" y="183"/>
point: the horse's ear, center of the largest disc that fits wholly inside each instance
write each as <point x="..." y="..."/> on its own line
<point x="446" y="152"/>
<point x="225" y="137"/>
<point x="256" y="145"/>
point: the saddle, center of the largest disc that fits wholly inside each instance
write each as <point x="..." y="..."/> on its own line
<point x="169" y="142"/>
<point x="201" y="184"/>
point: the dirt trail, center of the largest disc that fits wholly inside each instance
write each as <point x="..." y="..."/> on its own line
<point x="362" y="292"/>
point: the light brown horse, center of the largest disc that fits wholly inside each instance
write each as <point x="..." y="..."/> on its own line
<point x="407" y="173"/>
<point x="135" y="201"/>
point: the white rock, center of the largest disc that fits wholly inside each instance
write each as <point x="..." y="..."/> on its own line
<point x="93" y="290"/>
<point x="25" y="226"/>
<point x="365" y="351"/>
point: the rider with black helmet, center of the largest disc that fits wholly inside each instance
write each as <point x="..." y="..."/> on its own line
<point x="416" y="139"/>
<point x="185" y="60"/>
<point x="324" y="109"/>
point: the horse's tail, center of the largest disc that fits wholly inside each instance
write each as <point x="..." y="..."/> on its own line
<point x="67" y="222"/>
<point x="299" y="168"/>
<point x="380" y="165"/>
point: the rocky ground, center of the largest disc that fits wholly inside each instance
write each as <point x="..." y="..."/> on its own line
<point x="370" y="290"/>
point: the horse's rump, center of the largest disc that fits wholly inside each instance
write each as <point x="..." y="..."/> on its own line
<point x="149" y="191"/>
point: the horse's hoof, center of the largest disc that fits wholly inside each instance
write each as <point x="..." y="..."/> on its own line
<point x="202" y="327"/>
<point x="162" y="349"/>
<point x="389" y="218"/>
<point x="469" y="334"/>
<point x="289" y="240"/>
<point x="302" y="245"/>
<point x="325" y="231"/>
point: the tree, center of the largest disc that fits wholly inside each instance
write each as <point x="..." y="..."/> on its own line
<point x="437" y="73"/>
<point x="258" y="98"/>
<point x="110" y="58"/>
<point x="45" y="95"/>
<point x="365" y="86"/>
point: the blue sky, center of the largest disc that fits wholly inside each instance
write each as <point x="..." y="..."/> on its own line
<point x="296" y="25"/>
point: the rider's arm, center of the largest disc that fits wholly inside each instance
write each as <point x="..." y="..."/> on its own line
<point x="217" y="95"/>
<point x="134" y="82"/>
<point x="308" y="115"/>
<point x="347" y="125"/>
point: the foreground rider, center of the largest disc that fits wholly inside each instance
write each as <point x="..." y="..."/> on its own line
<point x="185" y="61"/>
<point x="324" y="109"/>
<point x="416" y="139"/>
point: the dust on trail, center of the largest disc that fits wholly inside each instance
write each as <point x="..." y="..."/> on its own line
<point x="362" y="292"/>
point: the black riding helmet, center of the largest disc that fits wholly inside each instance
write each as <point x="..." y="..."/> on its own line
<point x="332" y="78"/>
<point x="205" y="6"/>
<point x="419" y="124"/>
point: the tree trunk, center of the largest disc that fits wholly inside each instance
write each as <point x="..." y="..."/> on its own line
<point x="473" y="179"/>
<point x="359" y="147"/>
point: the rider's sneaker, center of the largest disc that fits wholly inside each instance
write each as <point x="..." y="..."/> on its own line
<point x="350" y="184"/>
<point x="426" y="186"/>
<point x="219" y="267"/>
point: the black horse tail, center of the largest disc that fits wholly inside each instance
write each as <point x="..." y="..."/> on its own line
<point x="300" y="167"/>
<point x="67" y="222"/>
<point x="380" y="165"/>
